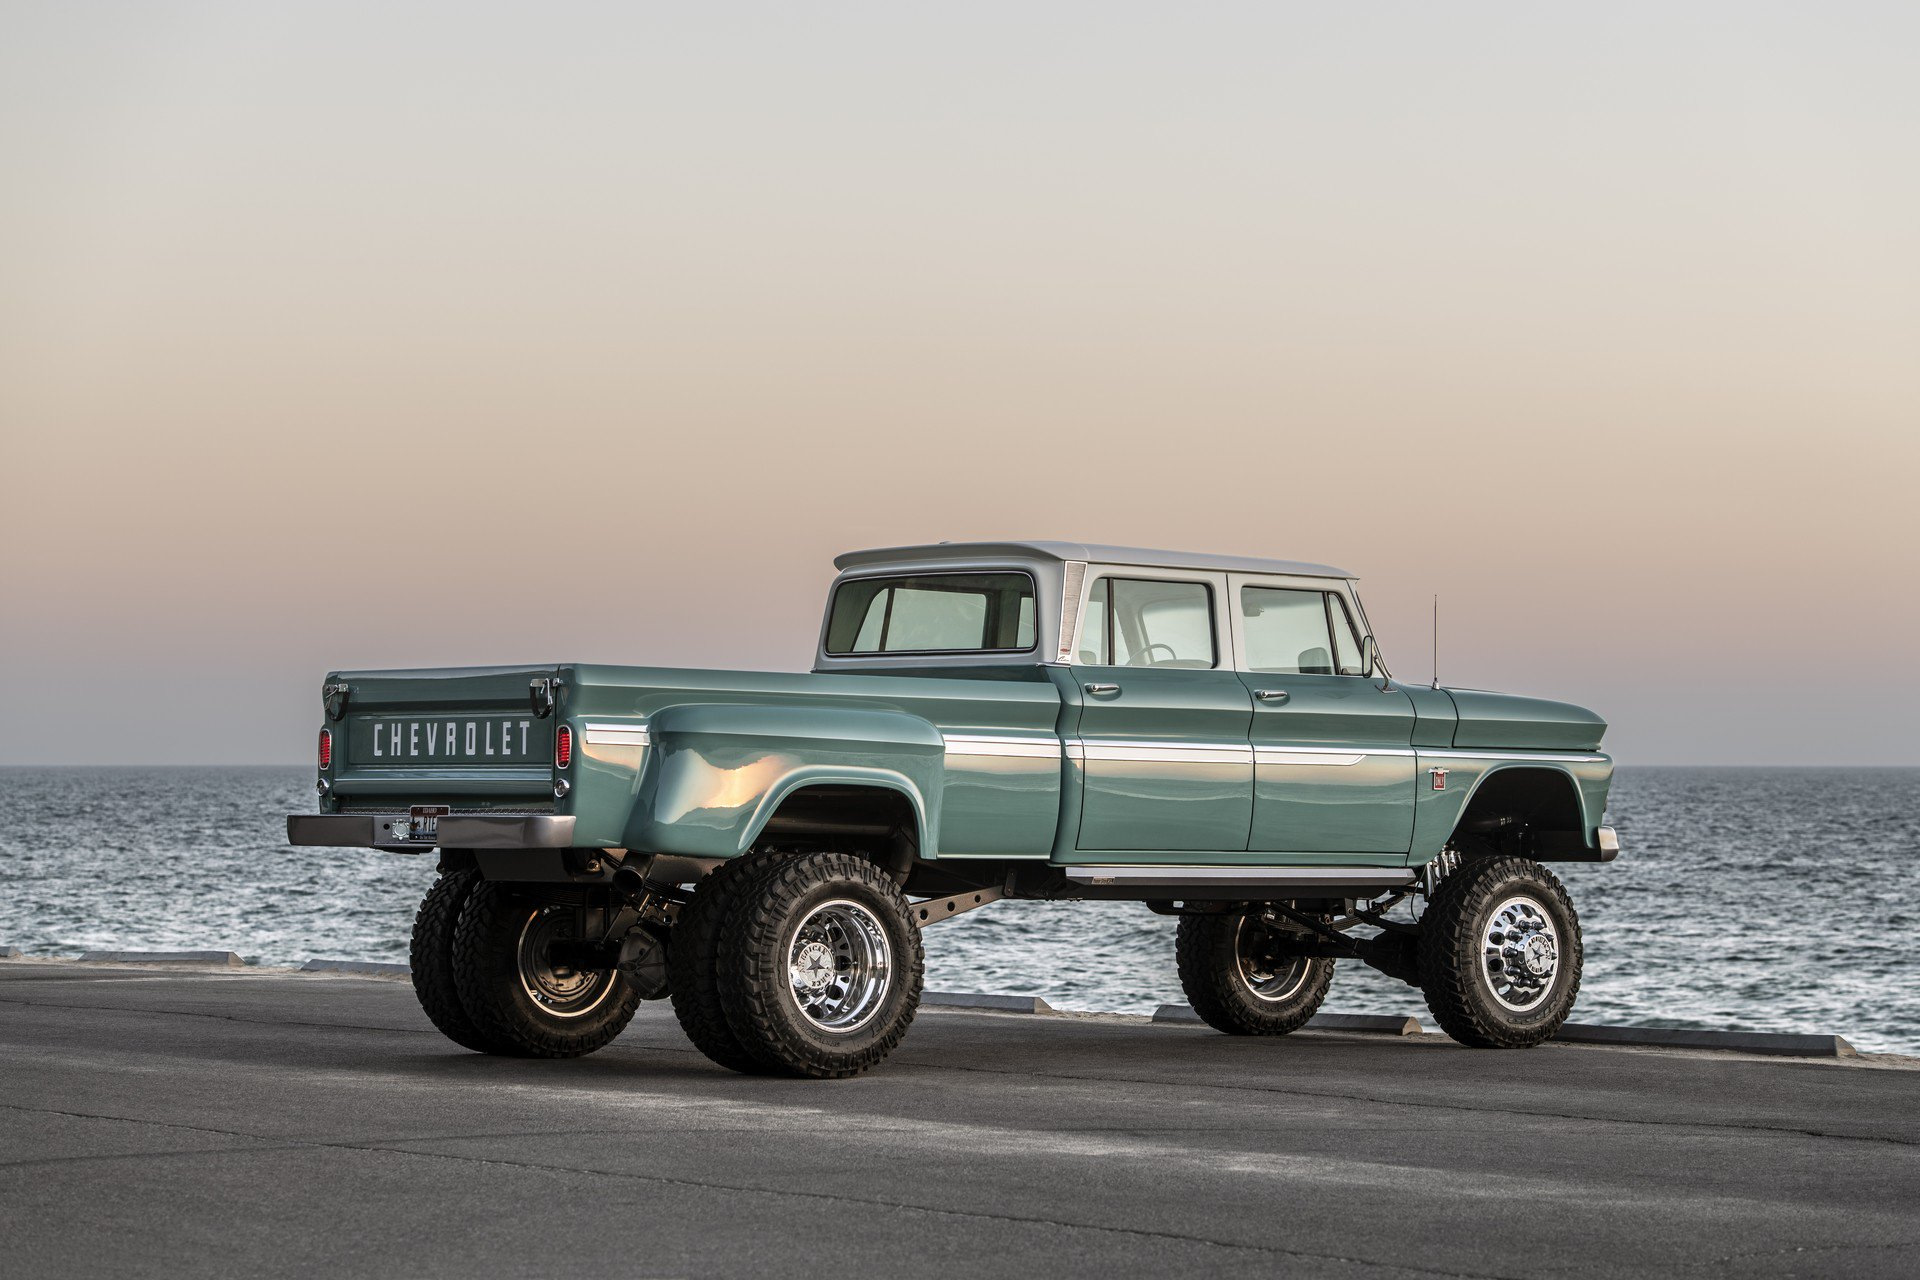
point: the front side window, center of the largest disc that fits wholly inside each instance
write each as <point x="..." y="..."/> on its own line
<point x="1137" y="622"/>
<point x="932" y="613"/>
<point x="1294" y="632"/>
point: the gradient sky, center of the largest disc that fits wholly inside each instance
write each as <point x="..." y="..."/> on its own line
<point x="346" y="335"/>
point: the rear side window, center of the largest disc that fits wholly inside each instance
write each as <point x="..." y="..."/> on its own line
<point x="1294" y="632"/>
<point x="1137" y="622"/>
<point x="933" y="613"/>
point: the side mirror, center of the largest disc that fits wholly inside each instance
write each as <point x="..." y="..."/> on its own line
<point x="1369" y="656"/>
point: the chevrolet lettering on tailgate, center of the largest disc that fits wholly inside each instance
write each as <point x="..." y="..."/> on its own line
<point x="499" y="740"/>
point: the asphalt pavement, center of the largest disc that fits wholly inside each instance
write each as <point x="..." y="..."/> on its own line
<point x="169" y="1122"/>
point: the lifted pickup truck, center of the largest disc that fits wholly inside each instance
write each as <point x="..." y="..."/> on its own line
<point x="1215" y="737"/>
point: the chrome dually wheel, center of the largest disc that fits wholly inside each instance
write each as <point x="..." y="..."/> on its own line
<point x="839" y="966"/>
<point x="819" y="966"/>
<point x="1520" y="954"/>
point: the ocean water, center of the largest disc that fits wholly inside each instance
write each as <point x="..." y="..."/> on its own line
<point x="1747" y="899"/>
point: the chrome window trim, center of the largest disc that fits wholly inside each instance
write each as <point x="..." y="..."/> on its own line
<point x="847" y="579"/>
<point x="1225" y="641"/>
<point x="1237" y="622"/>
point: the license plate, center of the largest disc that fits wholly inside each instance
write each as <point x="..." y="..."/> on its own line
<point x="423" y="821"/>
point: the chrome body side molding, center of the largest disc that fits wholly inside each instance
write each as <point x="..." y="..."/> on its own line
<point x="615" y="735"/>
<point x="997" y="744"/>
<point x="1237" y="877"/>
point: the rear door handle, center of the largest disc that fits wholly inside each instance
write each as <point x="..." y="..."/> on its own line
<point x="1271" y="695"/>
<point x="1103" y="688"/>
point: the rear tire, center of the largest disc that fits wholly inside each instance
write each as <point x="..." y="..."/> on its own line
<point x="520" y="1001"/>
<point x="693" y="950"/>
<point x="1239" y="979"/>
<point x="1500" y="954"/>
<point x="820" y="966"/>
<point x="431" y="961"/>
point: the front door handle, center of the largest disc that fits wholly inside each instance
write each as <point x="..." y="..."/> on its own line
<point x="1103" y="688"/>
<point x="1271" y="695"/>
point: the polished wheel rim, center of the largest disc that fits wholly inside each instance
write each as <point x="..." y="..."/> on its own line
<point x="839" y="966"/>
<point x="554" y="988"/>
<point x="1267" y="973"/>
<point x="1520" y="954"/>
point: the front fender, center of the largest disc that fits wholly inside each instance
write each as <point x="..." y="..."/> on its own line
<point x="718" y="772"/>
<point x="1436" y="813"/>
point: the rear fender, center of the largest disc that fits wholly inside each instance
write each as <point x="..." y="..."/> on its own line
<point x="717" y="772"/>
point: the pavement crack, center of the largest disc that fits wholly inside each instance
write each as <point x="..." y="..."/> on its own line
<point x="220" y="1017"/>
<point x="1142" y="1233"/>
<point x="1744" y="1258"/>
<point x="1423" y="1104"/>
<point x="395" y="1148"/>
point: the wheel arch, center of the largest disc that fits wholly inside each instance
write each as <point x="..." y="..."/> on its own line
<point x="877" y="814"/>
<point x="1544" y="799"/>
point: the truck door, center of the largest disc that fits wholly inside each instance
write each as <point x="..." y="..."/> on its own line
<point x="1333" y="760"/>
<point x="1162" y="741"/>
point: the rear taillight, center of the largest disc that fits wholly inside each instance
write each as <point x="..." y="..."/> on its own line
<point x="326" y="748"/>
<point x="563" y="747"/>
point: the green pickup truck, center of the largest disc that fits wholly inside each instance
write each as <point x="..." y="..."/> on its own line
<point x="1214" y="737"/>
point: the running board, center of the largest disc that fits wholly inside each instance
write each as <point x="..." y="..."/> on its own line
<point x="1138" y="876"/>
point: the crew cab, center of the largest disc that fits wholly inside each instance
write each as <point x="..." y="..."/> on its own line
<point x="1215" y="737"/>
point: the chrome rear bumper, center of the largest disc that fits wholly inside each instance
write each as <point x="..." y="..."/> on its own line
<point x="456" y="831"/>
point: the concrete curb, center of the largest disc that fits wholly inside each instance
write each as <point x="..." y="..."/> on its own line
<point x="1370" y="1023"/>
<point x="1385" y="1024"/>
<point x="219" y="959"/>
<point x="359" y="968"/>
<point x="1787" y="1044"/>
<point x="973" y="1000"/>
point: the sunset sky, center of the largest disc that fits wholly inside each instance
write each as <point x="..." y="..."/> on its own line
<point x="344" y="335"/>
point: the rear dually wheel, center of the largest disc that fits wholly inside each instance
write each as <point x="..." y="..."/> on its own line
<point x="1241" y="978"/>
<point x="518" y="991"/>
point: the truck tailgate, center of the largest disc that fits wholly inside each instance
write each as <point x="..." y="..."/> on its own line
<point x="454" y="732"/>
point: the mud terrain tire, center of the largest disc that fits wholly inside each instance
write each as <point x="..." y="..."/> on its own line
<point x="820" y="967"/>
<point x="519" y="1002"/>
<point x="431" y="960"/>
<point x="692" y="958"/>
<point x="1238" y="987"/>
<point x="1483" y="932"/>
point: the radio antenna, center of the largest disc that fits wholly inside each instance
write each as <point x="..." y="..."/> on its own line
<point x="1436" y="639"/>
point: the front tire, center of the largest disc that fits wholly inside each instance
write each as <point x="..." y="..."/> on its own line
<point x="1240" y="980"/>
<point x="820" y="967"/>
<point x="518" y="997"/>
<point x="1500" y="954"/>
